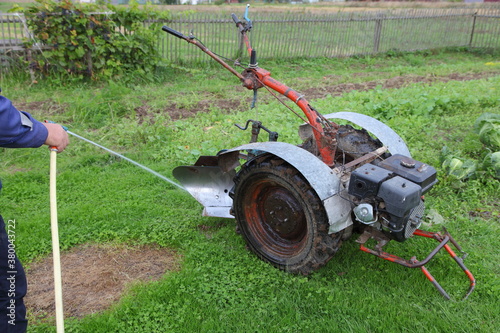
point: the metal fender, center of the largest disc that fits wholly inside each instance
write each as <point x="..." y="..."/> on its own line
<point x="322" y="179"/>
<point x="384" y="133"/>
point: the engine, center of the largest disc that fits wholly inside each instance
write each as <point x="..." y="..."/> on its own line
<point x="389" y="194"/>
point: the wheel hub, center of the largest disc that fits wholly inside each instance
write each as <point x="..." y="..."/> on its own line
<point x="282" y="213"/>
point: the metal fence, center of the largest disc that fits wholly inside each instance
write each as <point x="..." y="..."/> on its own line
<point x="291" y="35"/>
<point x="276" y="35"/>
<point x="12" y="31"/>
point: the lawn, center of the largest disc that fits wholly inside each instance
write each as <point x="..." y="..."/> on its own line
<point x="430" y="98"/>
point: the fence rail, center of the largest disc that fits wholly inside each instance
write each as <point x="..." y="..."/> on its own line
<point x="12" y="31"/>
<point x="276" y="35"/>
<point x="285" y="35"/>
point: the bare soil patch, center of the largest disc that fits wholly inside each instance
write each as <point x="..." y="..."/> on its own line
<point x="392" y="83"/>
<point x="226" y="105"/>
<point x="48" y="107"/>
<point x="176" y="111"/>
<point x="94" y="277"/>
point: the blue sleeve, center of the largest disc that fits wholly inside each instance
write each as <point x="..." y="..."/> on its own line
<point x="19" y="129"/>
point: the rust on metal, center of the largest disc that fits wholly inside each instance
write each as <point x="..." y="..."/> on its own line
<point x="367" y="158"/>
<point x="276" y="217"/>
<point x="215" y="57"/>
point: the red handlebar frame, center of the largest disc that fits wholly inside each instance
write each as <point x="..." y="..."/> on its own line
<point x="254" y="77"/>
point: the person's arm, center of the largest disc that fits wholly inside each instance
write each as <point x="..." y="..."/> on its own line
<point x="20" y="130"/>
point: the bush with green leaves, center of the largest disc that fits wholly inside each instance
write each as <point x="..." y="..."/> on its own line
<point x="93" y="41"/>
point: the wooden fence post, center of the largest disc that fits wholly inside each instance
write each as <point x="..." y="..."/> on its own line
<point x="88" y="56"/>
<point x="473" y="28"/>
<point x="378" y="32"/>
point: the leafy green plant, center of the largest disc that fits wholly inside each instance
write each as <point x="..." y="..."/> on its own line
<point x="488" y="128"/>
<point x="492" y="162"/>
<point x="87" y="41"/>
<point x="455" y="166"/>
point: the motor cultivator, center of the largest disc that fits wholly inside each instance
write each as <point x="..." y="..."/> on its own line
<point x="294" y="205"/>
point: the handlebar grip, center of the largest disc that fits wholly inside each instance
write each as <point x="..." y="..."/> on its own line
<point x="173" y="32"/>
<point x="253" y="58"/>
<point x="235" y="19"/>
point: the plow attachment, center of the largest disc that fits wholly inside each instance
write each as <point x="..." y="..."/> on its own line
<point x="443" y="240"/>
<point x="208" y="184"/>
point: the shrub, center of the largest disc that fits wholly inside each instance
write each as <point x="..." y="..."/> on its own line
<point x="93" y="41"/>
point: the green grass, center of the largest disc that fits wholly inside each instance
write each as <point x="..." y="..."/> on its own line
<point x="222" y="287"/>
<point x="5" y="6"/>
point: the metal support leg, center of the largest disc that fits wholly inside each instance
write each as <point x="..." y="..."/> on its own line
<point x="443" y="240"/>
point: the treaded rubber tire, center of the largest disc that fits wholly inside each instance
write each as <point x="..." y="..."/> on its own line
<point x="281" y="217"/>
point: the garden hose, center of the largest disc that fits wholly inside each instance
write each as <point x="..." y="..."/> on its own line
<point x="127" y="159"/>
<point x="55" y="242"/>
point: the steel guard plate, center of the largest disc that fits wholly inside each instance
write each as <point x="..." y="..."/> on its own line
<point x="384" y="133"/>
<point x="322" y="179"/>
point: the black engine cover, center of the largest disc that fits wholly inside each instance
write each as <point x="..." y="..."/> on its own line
<point x="420" y="173"/>
<point x="399" y="182"/>
<point x="365" y="180"/>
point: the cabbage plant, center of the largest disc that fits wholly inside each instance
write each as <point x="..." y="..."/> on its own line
<point x="488" y="128"/>
<point x="492" y="162"/>
<point x="457" y="167"/>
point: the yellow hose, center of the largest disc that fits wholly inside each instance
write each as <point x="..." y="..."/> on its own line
<point x="55" y="243"/>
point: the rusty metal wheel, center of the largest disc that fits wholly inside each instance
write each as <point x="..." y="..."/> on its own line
<point x="281" y="217"/>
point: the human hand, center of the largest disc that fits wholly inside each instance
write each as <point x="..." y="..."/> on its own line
<point x="57" y="137"/>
